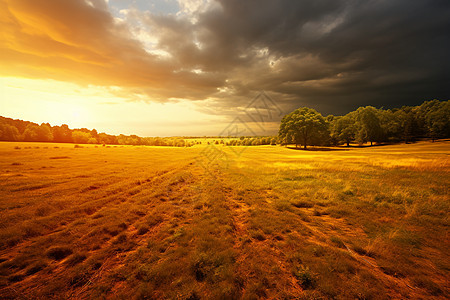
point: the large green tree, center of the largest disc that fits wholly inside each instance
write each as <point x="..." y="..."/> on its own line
<point x="368" y="123"/>
<point x="438" y="121"/>
<point x="302" y="126"/>
<point x="344" y="129"/>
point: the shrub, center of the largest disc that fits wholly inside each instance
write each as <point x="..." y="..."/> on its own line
<point x="305" y="277"/>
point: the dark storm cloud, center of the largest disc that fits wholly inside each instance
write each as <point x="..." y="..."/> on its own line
<point x="329" y="54"/>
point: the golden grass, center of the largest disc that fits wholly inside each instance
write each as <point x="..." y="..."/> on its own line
<point x="152" y="222"/>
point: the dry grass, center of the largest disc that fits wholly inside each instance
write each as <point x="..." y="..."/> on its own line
<point x="151" y="222"/>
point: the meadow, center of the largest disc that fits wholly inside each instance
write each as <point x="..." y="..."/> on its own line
<point x="218" y="222"/>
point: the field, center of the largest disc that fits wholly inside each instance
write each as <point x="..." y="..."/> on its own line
<point x="217" y="222"/>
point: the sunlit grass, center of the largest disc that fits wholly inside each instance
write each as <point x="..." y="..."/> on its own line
<point x="271" y="222"/>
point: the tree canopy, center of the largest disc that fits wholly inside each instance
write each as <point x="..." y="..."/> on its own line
<point x="302" y="126"/>
<point x="18" y="130"/>
<point x="367" y="124"/>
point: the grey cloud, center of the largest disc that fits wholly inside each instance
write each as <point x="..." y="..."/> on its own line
<point x="333" y="55"/>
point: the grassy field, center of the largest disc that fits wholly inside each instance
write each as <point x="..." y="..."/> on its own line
<point x="217" y="222"/>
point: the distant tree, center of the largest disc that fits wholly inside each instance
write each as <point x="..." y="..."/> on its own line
<point x="302" y="126"/>
<point x="94" y="133"/>
<point x="92" y="140"/>
<point x="62" y="134"/>
<point x="104" y="138"/>
<point x="45" y="133"/>
<point x="408" y="124"/>
<point x="438" y="121"/>
<point x="390" y="126"/>
<point x="81" y="137"/>
<point x="8" y="132"/>
<point x="344" y="129"/>
<point x="31" y="133"/>
<point x="122" y="139"/>
<point x="368" y="123"/>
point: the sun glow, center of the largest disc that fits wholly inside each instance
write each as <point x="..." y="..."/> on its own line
<point x="57" y="103"/>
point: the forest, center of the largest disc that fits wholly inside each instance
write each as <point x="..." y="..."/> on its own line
<point x="25" y="131"/>
<point x="304" y="126"/>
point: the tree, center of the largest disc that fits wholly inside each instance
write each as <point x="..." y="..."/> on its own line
<point x="408" y="124"/>
<point x="62" y="134"/>
<point x="81" y="137"/>
<point x="303" y="126"/>
<point x="438" y="121"/>
<point x="369" y="128"/>
<point x="390" y="124"/>
<point x="344" y="129"/>
<point x="31" y="133"/>
<point x="8" y="132"/>
<point x="45" y="133"/>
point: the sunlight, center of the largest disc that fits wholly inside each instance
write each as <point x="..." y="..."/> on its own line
<point x="59" y="103"/>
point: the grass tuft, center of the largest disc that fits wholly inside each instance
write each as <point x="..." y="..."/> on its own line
<point x="58" y="252"/>
<point x="305" y="277"/>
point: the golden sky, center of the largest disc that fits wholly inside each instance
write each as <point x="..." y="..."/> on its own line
<point x="72" y="62"/>
<point x="188" y="67"/>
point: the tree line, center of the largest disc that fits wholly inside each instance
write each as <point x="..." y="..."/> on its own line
<point x="25" y="131"/>
<point x="305" y="126"/>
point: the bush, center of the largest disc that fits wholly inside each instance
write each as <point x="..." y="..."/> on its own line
<point x="305" y="277"/>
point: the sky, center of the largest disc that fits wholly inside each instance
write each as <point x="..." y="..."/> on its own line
<point x="199" y="67"/>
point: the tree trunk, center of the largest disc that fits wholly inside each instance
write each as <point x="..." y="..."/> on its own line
<point x="370" y="143"/>
<point x="304" y="146"/>
<point x="348" y="144"/>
